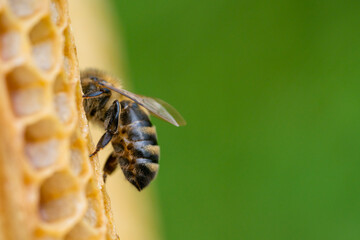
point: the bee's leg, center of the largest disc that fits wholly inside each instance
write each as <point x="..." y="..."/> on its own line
<point x="104" y="140"/>
<point x="110" y="165"/>
<point x="102" y="91"/>
<point x="112" y="117"/>
<point x="111" y="126"/>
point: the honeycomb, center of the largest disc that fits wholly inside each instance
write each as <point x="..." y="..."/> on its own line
<point x="49" y="188"/>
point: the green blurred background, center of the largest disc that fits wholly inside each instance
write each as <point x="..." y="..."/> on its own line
<point x="270" y="91"/>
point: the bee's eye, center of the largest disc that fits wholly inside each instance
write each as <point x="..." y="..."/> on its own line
<point x="94" y="78"/>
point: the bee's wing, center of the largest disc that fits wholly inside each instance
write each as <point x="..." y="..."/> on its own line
<point x="157" y="107"/>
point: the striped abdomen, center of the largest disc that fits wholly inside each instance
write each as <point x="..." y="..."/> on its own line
<point x="135" y="146"/>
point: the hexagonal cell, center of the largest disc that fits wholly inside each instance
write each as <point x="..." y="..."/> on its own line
<point x="76" y="161"/>
<point x="62" y="99"/>
<point x="59" y="209"/>
<point x="57" y="12"/>
<point x="42" y="54"/>
<point x="79" y="160"/>
<point x="40" y="234"/>
<point x="47" y="238"/>
<point x="23" y="76"/>
<point x="42" y="148"/>
<point x="63" y="107"/>
<point x="93" y="220"/>
<point x="42" y="129"/>
<point x="10" y="44"/>
<point x="67" y="65"/>
<point x="25" y="8"/>
<point x="45" y="48"/>
<point x="93" y="215"/>
<point x="59" y="198"/>
<point x="69" y="53"/>
<point x="27" y="91"/>
<point x="10" y="39"/>
<point x="82" y="231"/>
<point x="27" y="101"/>
<point x="61" y="83"/>
<point x="43" y="154"/>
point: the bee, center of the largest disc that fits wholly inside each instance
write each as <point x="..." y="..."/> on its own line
<point x="125" y="117"/>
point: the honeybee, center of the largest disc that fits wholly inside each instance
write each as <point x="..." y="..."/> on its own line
<point x="125" y="116"/>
